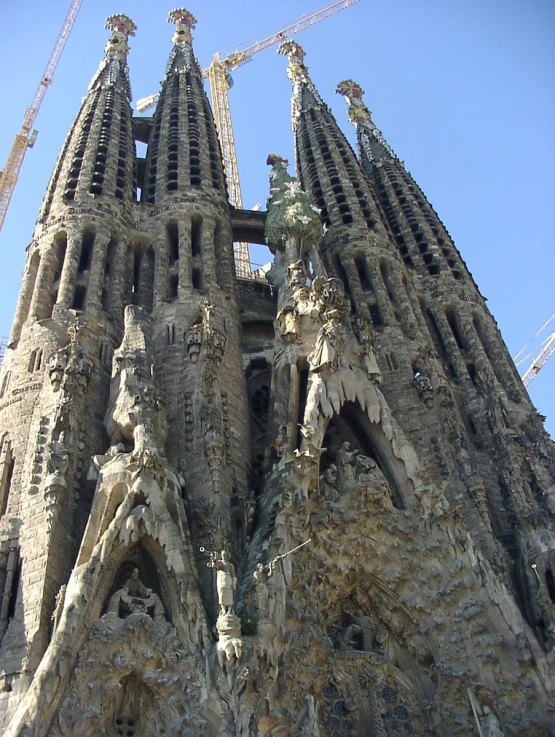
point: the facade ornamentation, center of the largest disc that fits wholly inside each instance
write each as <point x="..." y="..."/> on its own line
<point x="350" y="435"/>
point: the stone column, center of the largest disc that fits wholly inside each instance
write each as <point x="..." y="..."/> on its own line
<point x="96" y="274"/>
<point x="382" y="297"/>
<point x="41" y="303"/>
<point x="69" y="270"/>
<point x="26" y="295"/>
<point x="185" y="258"/>
<point x="117" y="281"/>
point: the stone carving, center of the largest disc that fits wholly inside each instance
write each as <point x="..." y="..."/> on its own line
<point x="134" y="597"/>
<point x="328" y="483"/>
<point x="367" y="351"/>
<point x="291" y="218"/>
<point x="135" y="414"/>
<point x="490" y="724"/>
<point x="226" y="580"/>
<point x="68" y="368"/>
<point x="55" y="484"/>
<point x="202" y="335"/>
<point x="230" y="645"/>
<point x="270" y="591"/>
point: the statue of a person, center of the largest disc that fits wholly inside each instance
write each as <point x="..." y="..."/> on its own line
<point x="226" y="580"/>
<point x="328" y="481"/>
<point x="490" y="724"/>
<point x="134" y="597"/>
<point x="57" y="461"/>
<point x="346" y="465"/>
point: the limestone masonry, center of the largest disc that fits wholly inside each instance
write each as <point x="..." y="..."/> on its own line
<point x="315" y="504"/>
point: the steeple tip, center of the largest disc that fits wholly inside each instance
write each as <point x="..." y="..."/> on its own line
<point x="122" y="27"/>
<point x="296" y="71"/>
<point x="360" y="116"/>
<point x="184" y="22"/>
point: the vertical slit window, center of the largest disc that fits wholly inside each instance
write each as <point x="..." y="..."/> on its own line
<point x="97" y="183"/>
<point x="135" y="286"/>
<point x="149" y="186"/>
<point x="365" y="281"/>
<point x="80" y="149"/>
<point x="87" y="245"/>
<point x="196" y="235"/>
<point x="194" y="135"/>
<point x="173" y="137"/>
<point x="79" y="298"/>
<point x="172" y="233"/>
<point x="452" y="319"/>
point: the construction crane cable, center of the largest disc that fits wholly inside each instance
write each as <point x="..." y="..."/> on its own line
<point x="22" y="141"/>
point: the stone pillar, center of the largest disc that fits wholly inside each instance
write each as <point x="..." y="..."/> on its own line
<point x="117" y="281"/>
<point x="96" y="275"/>
<point x="69" y="271"/>
<point x="185" y="258"/>
<point x="382" y="297"/>
<point x="26" y="295"/>
<point x="41" y="304"/>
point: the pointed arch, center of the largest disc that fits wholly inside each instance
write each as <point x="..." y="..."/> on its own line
<point x="353" y="425"/>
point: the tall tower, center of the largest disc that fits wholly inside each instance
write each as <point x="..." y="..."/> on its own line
<point x="320" y="504"/>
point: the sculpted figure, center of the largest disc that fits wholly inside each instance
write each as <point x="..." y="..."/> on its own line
<point x="134" y="412"/>
<point x="490" y="724"/>
<point x="346" y="468"/>
<point x="57" y="462"/>
<point x="226" y="580"/>
<point x="134" y="597"/>
<point x="328" y="483"/>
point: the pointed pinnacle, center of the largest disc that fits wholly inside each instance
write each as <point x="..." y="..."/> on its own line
<point x="296" y="71"/>
<point x="122" y="27"/>
<point x="184" y="22"/>
<point x="353" y="92"/>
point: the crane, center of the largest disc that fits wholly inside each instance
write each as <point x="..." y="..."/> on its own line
<point x="543" y="356"/>
<point x="219" y="77"/>
<point x="26" y="137"/>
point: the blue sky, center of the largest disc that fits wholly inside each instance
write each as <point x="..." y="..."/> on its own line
<point x="462" y="90"/>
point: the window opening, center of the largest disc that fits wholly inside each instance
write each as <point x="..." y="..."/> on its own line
<point x="173" y="241"/>
<point x="196" y="232"/>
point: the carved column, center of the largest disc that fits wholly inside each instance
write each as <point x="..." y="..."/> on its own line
<point x="96" y="275"/>
<point x="69" y="270"/>
<point x="41" y="303"/>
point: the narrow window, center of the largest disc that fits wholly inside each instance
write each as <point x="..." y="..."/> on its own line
<point x="79" y="298"/>
<point x="136" y="273"/>
<point x="454" y="325"/>
<point x="196" y="234"/>
<point x="197" y="279"/>
<point x="365" y="281"/>
<point x="86" y="251"/>
<point x="173" y="241"/>
<point x="173" y="286"/>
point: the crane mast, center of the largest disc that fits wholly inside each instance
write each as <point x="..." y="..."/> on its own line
<point x="218" y="77"/>
<point x="25" y="138"/>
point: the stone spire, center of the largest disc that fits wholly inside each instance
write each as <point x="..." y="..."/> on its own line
<point x="373" y="145"/>
<point x="183" y="150"/>
<point x="113" y="68"/>
<point x="98" y="156"/>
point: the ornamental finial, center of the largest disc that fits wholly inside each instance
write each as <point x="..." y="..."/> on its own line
<point x="353" y="92"/>
<point x="184" y="22"/>
<point x="122" y="27"/>
<point x="297" y="70"/>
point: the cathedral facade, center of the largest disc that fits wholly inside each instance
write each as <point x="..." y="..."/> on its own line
<point x="317" y="502"/>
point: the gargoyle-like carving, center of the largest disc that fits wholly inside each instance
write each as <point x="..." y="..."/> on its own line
<point x="134" y="412"/>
